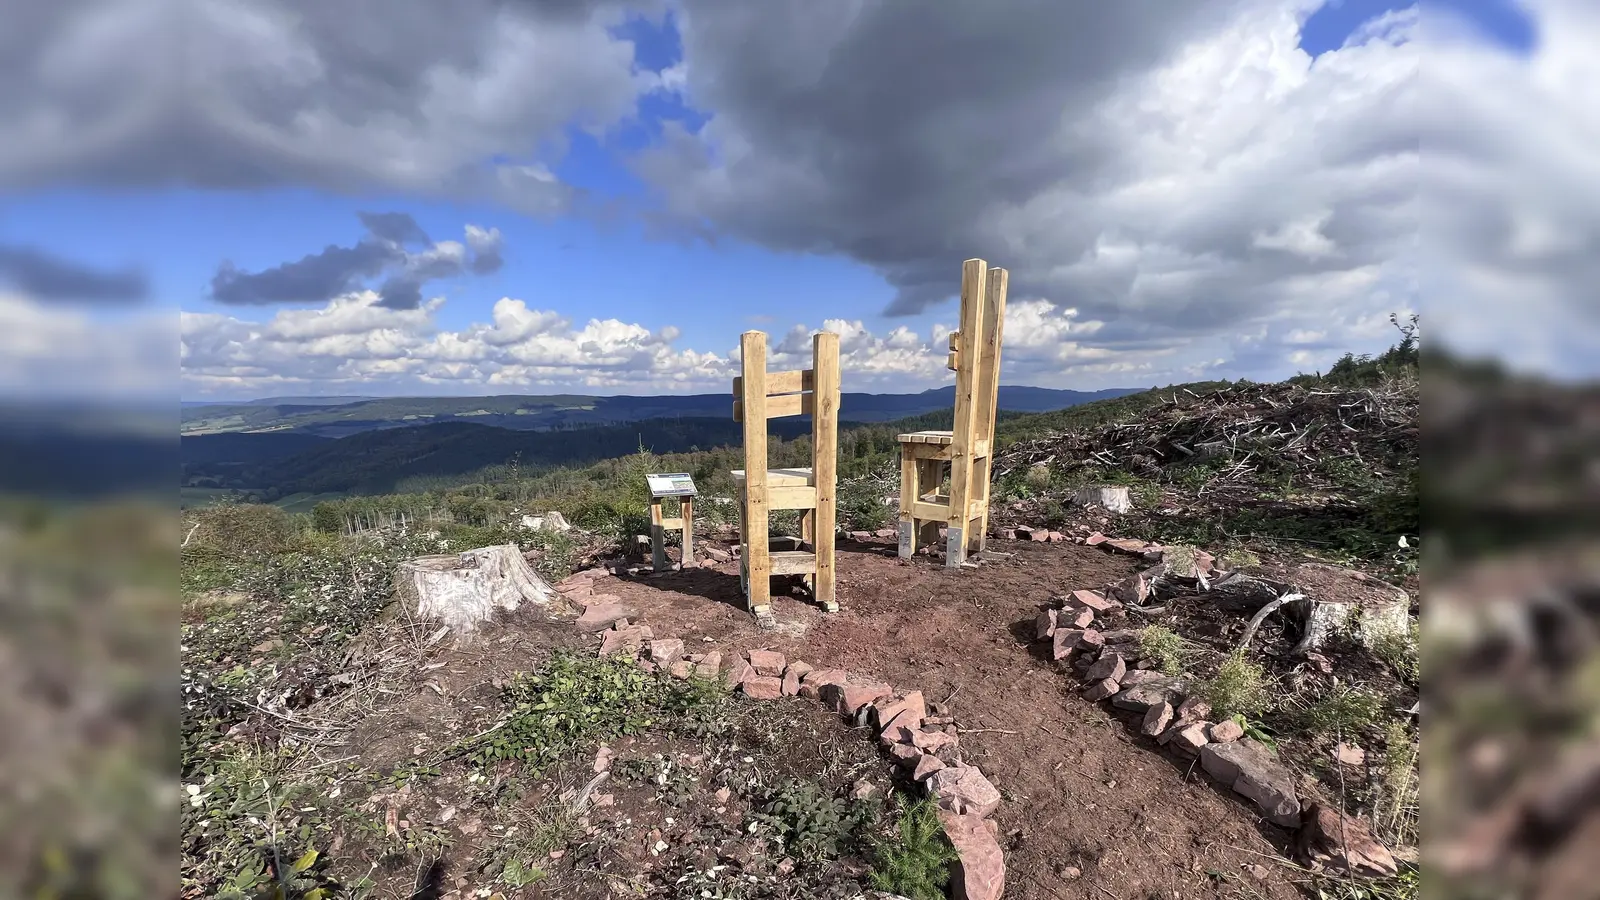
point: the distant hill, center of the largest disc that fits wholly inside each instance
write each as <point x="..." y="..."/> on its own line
<point x="375" y="461"/>
<point x="564" y="411"/>
<point x="82" y="451"/>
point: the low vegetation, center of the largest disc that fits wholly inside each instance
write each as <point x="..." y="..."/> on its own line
<point x="914" y="863"/>
<point x="1239" y="687"/>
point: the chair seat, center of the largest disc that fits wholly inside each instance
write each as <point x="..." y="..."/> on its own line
<point x="927" y="437"/>
<point x="797" y="477"/>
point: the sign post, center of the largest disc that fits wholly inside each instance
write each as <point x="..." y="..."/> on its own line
<point x="678" y="485"/>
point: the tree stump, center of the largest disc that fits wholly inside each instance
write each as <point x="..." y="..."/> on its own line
<point x="464" y="590"/>
<point x="1110" y="498"/>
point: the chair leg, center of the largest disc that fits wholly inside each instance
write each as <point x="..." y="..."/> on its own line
<point x="909" y="492"/>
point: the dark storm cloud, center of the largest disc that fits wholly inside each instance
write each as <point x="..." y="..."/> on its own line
<point x="412" y="95"/>
<point x="397" y="227"/>
<point x="44" y="276"/>
<point x="314" y="278"/>
<point x="319" y="277"/>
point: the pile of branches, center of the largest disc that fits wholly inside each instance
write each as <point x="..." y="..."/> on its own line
<point x="1248" y="432"/>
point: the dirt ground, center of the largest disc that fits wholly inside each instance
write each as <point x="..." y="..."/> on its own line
<point x="1092" y="810"/>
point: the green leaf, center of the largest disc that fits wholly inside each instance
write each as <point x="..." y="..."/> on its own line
<point x="307" y="861"/>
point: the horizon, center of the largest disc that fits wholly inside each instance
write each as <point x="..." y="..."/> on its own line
<point x="354" y="398"/>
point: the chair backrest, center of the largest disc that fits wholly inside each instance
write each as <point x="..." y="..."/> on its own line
<point x="975" y="350"/>
<point x="771" y="395"/>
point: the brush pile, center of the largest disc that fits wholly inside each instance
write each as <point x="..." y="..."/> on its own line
<point x="1249" y="437"/>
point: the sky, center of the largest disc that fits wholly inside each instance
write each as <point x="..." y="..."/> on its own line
<point x="400" y="197"/>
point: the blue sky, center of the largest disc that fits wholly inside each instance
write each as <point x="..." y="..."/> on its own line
<point x="582" y="265"/>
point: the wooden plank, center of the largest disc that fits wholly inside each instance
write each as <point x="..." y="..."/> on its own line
<point x="953" y="361"/>
<point x="974" y="291"/>
<point x="791" y="562"/>
<point x="994" y="324"/>
<point x="687" y="515"/>
<point x="777" y="477"/>
<point x="955" y="340"/>
<point x="825" y="452"/>
<point x="987" y="384"/>
<point x="673" y="524"/>
<point x="792" y="381"/>
<point x="753" y="358"/>
<point x="780" y="406"/>
<point x="929" y="451"/>
<point x="658" y="543"/>
<point x="791" y="497"/>
<point x="923" y="509"/>
<point x="909" y="489"/>
<point x="930" y="477"/>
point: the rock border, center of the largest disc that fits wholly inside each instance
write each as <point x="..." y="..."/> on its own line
<point x="1111" y="669"/>
<point x="920" y="735"/>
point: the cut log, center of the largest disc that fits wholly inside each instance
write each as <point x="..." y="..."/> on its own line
<point x="464" y="590"/>
<point x="1109" y="498"/>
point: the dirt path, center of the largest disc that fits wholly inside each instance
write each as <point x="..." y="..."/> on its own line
<point x="1083" y="790"/>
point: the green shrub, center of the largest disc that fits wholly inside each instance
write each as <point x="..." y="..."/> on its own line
<point x="1164" y="646"/>
<point x="576" y="700"/>
<point x="812" y="824"/>
<point x="1037" y="477"/>
<point x="1399" y="650"/>
<point x="916" y="862"/>
<point x="1344" y="710"/>
<point x="1238" y="688"/>
<point x="861" y="506"/>
<point x="236" y="529"/>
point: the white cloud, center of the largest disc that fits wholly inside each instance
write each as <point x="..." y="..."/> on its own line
<point x="1513" y="190"/>
<point x="1172" y="174"/>
<point x="50" y="351"/>
<point x="355" y="345"/>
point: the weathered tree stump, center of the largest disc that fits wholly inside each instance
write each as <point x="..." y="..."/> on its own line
<point x="1110" y="498"/>
<point x="464" y="590"/>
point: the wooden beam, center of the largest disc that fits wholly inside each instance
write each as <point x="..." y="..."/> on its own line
<point x="922" y="509"/>
<point x="780" y="406"/>
<point x="658" y="544"/>
<point x="791" y="497"/>
<point x="792" y="562"/>
<point x="930" y="451"/>
<point x="825" y="452"/>
<point x="909" y="490"/>
<point x="974" y="291"/>
<point x="753" y="359"/>
<point x="686" y="513"/>
<point x="994" y="322"/>
<point x="792" y="381"/>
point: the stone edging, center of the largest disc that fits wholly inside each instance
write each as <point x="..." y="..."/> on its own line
<point x="920" y="735"/>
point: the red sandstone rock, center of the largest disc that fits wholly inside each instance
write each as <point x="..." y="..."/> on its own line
<point x="980" y="870"/>
<point x="763" y="687"/>
<point x="767" y="662"/>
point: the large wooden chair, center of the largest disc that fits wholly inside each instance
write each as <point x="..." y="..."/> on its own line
<point x="965" y="452"/>
<point x="763" y="395"/>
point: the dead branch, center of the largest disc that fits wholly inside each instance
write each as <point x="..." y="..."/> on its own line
<point x="1261" y="615"/>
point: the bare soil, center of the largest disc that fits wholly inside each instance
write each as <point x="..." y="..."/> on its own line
<point x="1084" y="791"/>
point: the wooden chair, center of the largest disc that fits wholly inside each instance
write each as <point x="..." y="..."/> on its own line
<point x="764" y="395"/>
<point x="966" y="450"/>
